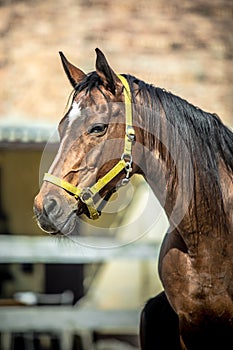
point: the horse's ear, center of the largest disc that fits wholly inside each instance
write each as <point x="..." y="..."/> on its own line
<point x="74" y="74"/>
<point x="110" y="79"/>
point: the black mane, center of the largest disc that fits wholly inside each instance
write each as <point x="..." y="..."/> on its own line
<point x="198" y="128"/>
<point x="209" y="142"/>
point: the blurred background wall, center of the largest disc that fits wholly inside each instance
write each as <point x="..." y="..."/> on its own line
<point x="184" y="46"/>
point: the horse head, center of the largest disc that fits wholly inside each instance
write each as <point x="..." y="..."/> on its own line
<point x="95" y="151"/>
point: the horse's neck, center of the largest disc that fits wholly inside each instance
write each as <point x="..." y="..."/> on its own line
<point x="185" y="204"/>
<point x="171" y="181"/>
<point x="179" y="181"/>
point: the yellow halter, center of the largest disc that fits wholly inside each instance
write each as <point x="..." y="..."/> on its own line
<point x="86" y="195"/>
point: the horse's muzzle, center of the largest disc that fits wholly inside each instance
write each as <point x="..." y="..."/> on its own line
<point x="52" y="217"/>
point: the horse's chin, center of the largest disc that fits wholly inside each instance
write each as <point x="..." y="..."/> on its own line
<point x="64" y="228"/>
<point x="48" y="229"/>
<point x="46" y="225"/>
<point x="70" y="225"/>
<point x="66" y="225"/>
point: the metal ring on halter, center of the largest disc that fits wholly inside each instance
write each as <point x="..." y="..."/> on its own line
<point x="124" y="182"/>
<point x="127" y="158"/>
<point x="85" y="195"/>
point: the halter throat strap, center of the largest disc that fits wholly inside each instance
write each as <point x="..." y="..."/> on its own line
<point x="86" y="195"/>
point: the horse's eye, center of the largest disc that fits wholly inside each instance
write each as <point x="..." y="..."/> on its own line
<point x="98" y="129"/>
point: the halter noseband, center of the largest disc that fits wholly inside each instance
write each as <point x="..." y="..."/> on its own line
<point x="86" y="195"/>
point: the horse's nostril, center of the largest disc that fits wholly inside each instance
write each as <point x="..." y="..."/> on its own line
<point x="51" y="206"/>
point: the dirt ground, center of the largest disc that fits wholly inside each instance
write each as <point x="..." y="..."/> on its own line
<point x="183" y="46"/>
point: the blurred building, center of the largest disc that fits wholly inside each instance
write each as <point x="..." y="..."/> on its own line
<point x="21" y="149"/>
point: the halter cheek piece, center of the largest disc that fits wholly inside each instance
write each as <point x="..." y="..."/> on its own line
<point x="86" y="195"/>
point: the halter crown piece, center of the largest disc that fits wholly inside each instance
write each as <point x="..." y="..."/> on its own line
<point x="86" y="195"/>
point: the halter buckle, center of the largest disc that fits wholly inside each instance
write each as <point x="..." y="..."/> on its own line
<point x="86" y="195"/>
<point x="130" y="133"/>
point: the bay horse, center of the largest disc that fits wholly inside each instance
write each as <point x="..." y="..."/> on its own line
<point x="118" y="126"/>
